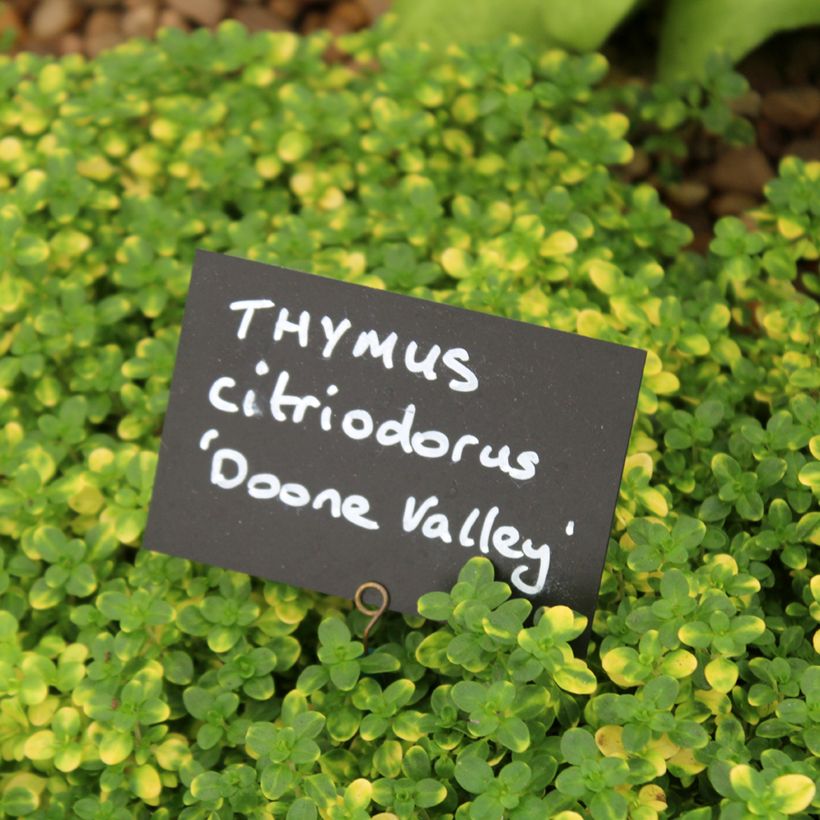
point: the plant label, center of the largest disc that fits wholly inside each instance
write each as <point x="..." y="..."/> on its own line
<point x="324" y="434"/>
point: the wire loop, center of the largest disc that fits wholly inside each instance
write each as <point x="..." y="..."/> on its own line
<point x="374" y="614"/>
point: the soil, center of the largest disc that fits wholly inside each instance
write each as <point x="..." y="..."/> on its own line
<point x="782" y="104"/>
<point x="715" y="179"/>
<point x="90" y="26"/>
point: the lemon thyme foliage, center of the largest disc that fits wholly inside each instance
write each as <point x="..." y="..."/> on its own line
<point x="134" y="684"/>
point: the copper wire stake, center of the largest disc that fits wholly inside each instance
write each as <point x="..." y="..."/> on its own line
<point x="374" y="614"/>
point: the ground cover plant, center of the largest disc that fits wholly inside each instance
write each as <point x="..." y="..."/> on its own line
<point x="134" y="684"/>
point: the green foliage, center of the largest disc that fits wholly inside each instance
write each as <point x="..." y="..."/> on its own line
<point x="582" y="26"/>
<point x="693" y="32"/>
<point x="134" y="684"/>
<point x="464" y="23"/>
<point x="694" y="29"/>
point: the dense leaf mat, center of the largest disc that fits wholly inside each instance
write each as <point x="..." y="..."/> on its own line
<point x="134" y="684"/>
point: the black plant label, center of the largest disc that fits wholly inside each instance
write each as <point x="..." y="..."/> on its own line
<point x="324" y="434"/>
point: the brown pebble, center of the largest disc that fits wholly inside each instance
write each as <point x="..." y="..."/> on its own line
<point x="792" y="108"/>
<point x="70" y="43"/>
<point x="102" y="31"/>
<point x="746" y="105"/>
<point x="53" y="17"/>
<point x="286" y="9"/>
<point x="374" y="8"/>
<point x="172" y="19"/>
<point x="44" y="47"/>
<point x="102" y="21"/>
<point x="336" y="26"/>
<point x="314" y="20"/>
<point x="256" y="18"/>
<point x="806" y="149"/>
<point x="140" y="21"/>
<point x="204" y="12"/>
<point x="350" y="14"/>
<point x="688" y="193"/>
<point x="732" y="204"/>
<point x="741" y="169"/>
<point x="770" y="138"/>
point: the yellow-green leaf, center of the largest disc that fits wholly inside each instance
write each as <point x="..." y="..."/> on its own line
<point x="40" y="746"/>
<point x="115" y="747"/>
<point x="794" y="792"/>
<point x="721" y="674"/>
<point x="145" y="783"/>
